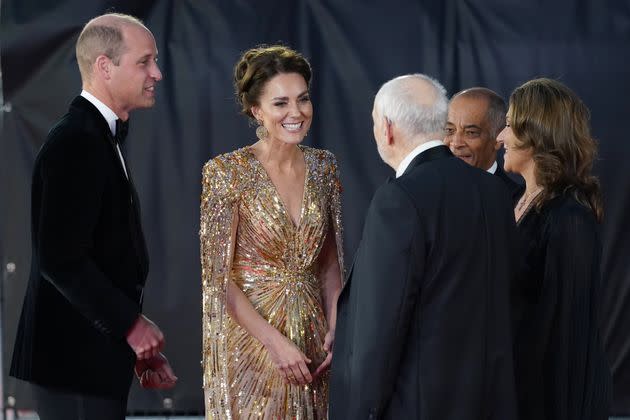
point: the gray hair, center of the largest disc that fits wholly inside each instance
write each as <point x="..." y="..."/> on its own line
<point x="414" y="114"/>
<point x="496" y="107"/>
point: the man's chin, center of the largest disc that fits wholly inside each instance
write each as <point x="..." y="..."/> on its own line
<point x="147" y="102"/>
<point x="468" y="159"/>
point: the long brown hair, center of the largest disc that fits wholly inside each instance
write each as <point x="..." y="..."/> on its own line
<point x="551" y="120"/>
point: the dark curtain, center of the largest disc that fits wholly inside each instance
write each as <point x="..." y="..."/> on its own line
<point x="353" y="46"/>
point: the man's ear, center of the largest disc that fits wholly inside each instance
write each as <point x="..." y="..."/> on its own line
<point x="388" y="126"/>
<point x="102" y="65"/>
<point x="497" y="146"/>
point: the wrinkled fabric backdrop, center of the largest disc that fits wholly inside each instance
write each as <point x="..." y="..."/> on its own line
<point x="353" y="46"/>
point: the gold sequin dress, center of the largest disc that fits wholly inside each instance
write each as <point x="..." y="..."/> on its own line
<point x="273" y="262"/>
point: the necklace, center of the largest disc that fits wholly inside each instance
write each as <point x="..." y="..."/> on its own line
<point x="527" y="199"/>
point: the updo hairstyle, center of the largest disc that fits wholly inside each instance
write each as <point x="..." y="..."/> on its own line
<point x="260" y="64"/>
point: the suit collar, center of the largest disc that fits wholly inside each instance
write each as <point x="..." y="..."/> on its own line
<point x="80" y="104"/>
<point x="93" y="117"/>
<point x="499" y="171"/>
<point x="428" y="155"/>
<point x="437" y="152"/>
<point x="109" y="115"/>
<point x="404" y="164"/>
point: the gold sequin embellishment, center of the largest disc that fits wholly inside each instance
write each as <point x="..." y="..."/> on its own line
<point x="273" y="261"/>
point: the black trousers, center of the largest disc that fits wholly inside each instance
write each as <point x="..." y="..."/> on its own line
<point x="53" y="404"/>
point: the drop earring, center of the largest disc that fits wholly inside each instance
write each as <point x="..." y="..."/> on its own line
<point x="261" y="131"/>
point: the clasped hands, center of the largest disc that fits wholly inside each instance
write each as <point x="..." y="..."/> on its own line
<point x="152" y="368"/>
<point x="292" y="363"/>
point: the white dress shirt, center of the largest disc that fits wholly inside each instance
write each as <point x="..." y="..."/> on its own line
<point x="493" y="168"/>
<point x="110" y="117"/>
<point x="415" y="152"/>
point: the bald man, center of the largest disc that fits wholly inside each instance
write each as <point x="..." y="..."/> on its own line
<point x="82" y="332"/>
<point x="423" y="327"/>
<point x="476" y="116"/>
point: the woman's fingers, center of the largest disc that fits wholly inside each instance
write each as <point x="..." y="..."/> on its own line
<point x="305" y="372"/>
<point x="292" y="364"/>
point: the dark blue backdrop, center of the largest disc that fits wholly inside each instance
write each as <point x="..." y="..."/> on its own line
<point x="354" y="46"/>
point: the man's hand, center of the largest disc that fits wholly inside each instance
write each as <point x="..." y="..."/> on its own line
<point x="155" y="373"/>
<point x="145" y="338"/>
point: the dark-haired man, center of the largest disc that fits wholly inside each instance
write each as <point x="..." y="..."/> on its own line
<point x="476" y="116"/>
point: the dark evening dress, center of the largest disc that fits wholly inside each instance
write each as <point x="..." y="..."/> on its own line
<point x="560" y="366"/>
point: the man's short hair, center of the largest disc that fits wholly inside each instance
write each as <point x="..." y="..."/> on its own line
<point x="102" y="38"/>
<point x="414" y="115"/>
<point x="496" y="106"/>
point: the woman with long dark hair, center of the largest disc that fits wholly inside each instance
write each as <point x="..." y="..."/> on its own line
<point x="561" y="369"/>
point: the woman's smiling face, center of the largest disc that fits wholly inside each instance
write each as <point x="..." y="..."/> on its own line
<point x="285" y="108"/>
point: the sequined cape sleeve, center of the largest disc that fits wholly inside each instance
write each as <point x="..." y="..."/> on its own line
<point x="218" y="201"/>
<point x="335" y="210"/>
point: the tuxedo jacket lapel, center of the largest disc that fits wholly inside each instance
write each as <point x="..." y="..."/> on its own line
<point x="433" y="153"/>
<point x="80" y="104"/>
<point x="83" y="105"/>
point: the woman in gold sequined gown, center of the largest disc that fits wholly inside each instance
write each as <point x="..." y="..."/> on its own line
<point x="271" y="253"/>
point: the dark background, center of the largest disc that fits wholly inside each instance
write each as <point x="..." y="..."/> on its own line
<point x="354" y="47"/>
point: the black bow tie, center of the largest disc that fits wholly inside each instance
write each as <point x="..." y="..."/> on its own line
<point x="121" y="131"/>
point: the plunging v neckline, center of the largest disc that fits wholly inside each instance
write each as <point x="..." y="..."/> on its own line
<point x="294" y="224"/>
<point x="528" y="209"/>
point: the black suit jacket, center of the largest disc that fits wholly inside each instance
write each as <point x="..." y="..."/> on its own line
<point x="89" y="262"/>
<point x="423" y="329"/>
<point x="515" y="189"/>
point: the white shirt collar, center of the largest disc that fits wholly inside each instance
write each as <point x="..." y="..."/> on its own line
<point x="415" y="152"/>
<point x="493" y="168"/>
<point x="106" y="111"/>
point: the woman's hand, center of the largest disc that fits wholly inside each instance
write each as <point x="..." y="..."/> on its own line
<point x="290" y="361"/>
<point x="329" y="340"/>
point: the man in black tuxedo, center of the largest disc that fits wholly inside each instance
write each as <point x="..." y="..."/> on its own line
<point x="82" y="332"/>
<point x="423" y="329"/>
<point x="476" y="116"/>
